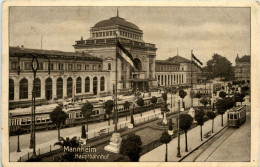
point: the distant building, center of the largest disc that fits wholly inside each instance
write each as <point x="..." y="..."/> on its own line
<point x="102" y="44"/>
<point x="242" y="68"/>
<point x="73" y="75"/>
<point x="177" y="71"/>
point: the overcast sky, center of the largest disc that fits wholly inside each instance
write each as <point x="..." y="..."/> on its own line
<point x="204" y="30"/>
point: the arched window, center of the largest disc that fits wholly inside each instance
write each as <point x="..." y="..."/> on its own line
<point x="11" y="89"/>
<point x="59" y="87"/>
<point x="95" y="87"/>
<point x="231" y="116"/>
<point x="69" y="87"/>
<point x="102" y="83"/>
<point x="23" y="89"/>
<point x="37" y="87"/>
<point x="235" y="116"/>
<point x="48" y="88"/>
<point x="78" y="85"/>
<point x="162" y="79"/>
<point x="87" y="84"/>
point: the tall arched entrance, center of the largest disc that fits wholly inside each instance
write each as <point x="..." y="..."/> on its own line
<point x="95" y="85"/>
<point x="59" y="88"/>
<point x="48" y="88"/>
<point x="69" y="87"/>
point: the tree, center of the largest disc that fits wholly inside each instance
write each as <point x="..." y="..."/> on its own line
<point x="58" y="117"/>
<point x="170" y="125"/>
<point x="185" y="123"/>
<point x="164" y="96"/>
<point x="67" y="155"/>
<point x="239" y="97"/>
<point x="199" y="117"/>
<point x="224" y="104"/>
<point x="83" y="132"/>
<point x="154" y="101"/>
<point x="182" y="94"/>
<point x="221" y="108"/>
<point x="222" y="94"/>
<point x="132" y="120"/>
<point x="198" y="95"/>
<point x="86" y="110"/>
<point x="220" y="67"/>
<point x="204" y="101"/>
<point x="126" y="106"/>
<point x="131" y="146"/>
<point x="211" y="115"/>
<point x="140" y="102"/>
<point x="165" y="139"/>
<point x="109" y="105"/>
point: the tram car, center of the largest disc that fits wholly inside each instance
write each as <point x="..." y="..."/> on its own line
<point x="236" y="116"/>
<point x="21" y="118"/>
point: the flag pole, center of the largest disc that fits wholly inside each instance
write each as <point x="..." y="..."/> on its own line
<point x="116" y="87"/>
<point x="191" y="76"/>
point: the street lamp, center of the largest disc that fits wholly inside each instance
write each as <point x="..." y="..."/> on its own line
<point x="178" y="148"/>
<point x="35" y="67"/>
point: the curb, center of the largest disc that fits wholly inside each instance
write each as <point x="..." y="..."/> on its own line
<point x="202" y="144"/>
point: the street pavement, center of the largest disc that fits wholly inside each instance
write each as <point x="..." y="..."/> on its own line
<point x="193" y="135"/>
<point x="46" y="138"/>
<point x="233" y="148"/>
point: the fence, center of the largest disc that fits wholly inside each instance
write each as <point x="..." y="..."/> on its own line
<point x="41" y="151"/>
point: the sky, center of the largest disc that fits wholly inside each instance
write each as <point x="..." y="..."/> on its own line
<point x="204" y="30"/>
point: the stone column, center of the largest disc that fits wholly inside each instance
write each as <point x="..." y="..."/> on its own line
<point x="83" y="84"/>
<point x="16" y="89"/>
<point x="54" y="87"/>
<point x="64" y="86"/>
<point x="43" y="88"/>
<point x="30" y="86"/>
<point x="91" y="84"/>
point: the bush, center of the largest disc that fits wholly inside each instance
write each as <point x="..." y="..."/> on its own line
<point x="131" y="146"/>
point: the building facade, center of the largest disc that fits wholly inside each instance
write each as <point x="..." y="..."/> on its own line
<point x="72" y="75"/>
<point x="102" y="44"/>
<point x="176" y="71"/>
<point x="242" y="68"/>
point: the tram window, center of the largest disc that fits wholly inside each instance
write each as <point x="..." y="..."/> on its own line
<point x="38" y="119"/>
<point x="231" y="116"/>
<point x="235" y="116"/>
<point x="23" y="122"/>
<point x="97" y="112"/>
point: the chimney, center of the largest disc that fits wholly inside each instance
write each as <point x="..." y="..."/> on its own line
<point x="22" y="48"/>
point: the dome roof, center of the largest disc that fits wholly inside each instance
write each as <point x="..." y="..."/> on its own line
<point x="116" y="21"/>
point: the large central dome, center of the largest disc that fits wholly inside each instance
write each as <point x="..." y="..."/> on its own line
<point x="116" y="21"/>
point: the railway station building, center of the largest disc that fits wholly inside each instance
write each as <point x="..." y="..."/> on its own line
<point x="176" y="71"/>
<point x="102" y="44"/>
<point x="72" y="75"/>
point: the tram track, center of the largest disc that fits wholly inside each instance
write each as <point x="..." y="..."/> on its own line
<point x="229" y="131"/>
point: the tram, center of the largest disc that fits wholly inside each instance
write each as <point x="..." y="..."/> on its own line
<point x="236" y="116"/>
<point x="21" y="118"/>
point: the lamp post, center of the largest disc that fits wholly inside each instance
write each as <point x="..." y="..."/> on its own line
<point x="35" y="67"/>
<point x="171" y="96"/>
<point x="178" y="148"/>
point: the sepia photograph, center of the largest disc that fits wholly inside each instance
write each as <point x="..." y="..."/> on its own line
<point x="120" y="83"/>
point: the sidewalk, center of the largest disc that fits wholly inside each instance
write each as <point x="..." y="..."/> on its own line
<point x="14" y="156"/>
<point x="193" y="135"/>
